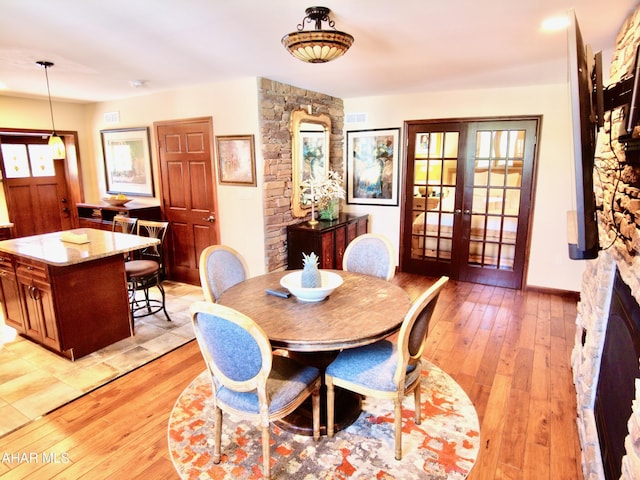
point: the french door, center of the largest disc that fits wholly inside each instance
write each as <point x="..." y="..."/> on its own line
<point x="468" y="187"/>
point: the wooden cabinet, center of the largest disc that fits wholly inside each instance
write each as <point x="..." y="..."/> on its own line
<point x="328" y="239"/>
<point x="101" y="216"/>
<point x="72" y="310"/>
<point x="10" y="294"/>
<point x="35" y="289"/>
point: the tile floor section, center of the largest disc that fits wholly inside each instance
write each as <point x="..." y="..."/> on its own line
<point x="34" y="381"/>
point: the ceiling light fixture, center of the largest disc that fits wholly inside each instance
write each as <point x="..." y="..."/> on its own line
<point x="317" y="46"/>
<point x="55" y="142"/>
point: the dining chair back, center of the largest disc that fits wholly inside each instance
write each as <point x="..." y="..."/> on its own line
<point x="387" y="369"/>
<point x="124" y="224"/>
<point x="221" y="267"/>
<point x="147" y="271"/>
<point x="247" y="379"/>
<point x="371" y="254"/>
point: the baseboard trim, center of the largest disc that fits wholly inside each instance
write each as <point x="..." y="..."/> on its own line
<point x="554" y="291"/>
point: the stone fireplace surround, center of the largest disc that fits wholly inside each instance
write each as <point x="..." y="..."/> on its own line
<point x="620" y="242"/>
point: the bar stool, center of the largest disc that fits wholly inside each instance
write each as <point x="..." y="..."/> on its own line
<point x="147" y="271"/>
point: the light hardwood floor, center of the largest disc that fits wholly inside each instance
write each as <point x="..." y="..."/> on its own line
<point x="509" y="350"/>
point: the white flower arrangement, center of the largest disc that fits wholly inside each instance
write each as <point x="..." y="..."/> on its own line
<point x="322" y="190"/>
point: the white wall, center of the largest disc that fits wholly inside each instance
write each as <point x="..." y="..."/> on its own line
<point x="549" y="264"/>
<point x="234" y="109"/>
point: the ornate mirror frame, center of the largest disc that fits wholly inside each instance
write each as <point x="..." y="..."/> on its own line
<point x="309" y="153"/>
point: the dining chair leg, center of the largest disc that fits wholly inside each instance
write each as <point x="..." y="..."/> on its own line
<point x="417" y="401"/>
<point x="217" y="435"/>
<point x="315" y="406"/>
<point x="398" y="426"/>
<point x="330" y="405"/>
<point x="266" y="457"/>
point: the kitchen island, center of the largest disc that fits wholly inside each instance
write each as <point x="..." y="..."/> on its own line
<point x="67" y="290"/>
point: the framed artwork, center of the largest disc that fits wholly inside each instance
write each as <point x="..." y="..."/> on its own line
<point x="127" y="161"/>
<point x="373" y="158"/>
<point x="236" y="160"/>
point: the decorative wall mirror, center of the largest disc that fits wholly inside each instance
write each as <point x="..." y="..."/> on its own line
<point x="310" y="155"/>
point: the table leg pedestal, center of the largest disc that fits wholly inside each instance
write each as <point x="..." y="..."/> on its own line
<point x="348" y="405"/>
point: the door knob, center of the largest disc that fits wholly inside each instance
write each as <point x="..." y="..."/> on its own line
<point x="210" y="218"/>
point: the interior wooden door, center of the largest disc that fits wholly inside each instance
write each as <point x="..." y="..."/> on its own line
<point x="470" y="186"/>
<point x="35" y="186"/>
<point x="189" y="198"/>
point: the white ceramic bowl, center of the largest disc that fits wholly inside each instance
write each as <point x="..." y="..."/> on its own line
<point x="329" y="282"/>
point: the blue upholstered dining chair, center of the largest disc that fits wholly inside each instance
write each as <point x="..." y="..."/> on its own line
<point x="247" y="379"/>
<point x="221" y="267"/>
<point x="387" y="369"/>
<point x="371" y="254"/>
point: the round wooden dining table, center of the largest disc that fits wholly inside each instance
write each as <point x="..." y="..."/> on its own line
<point x="363" y="310"/>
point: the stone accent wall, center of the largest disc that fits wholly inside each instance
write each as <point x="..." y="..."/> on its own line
<point x="277" y="101"/>
<point x="617" y="192"/>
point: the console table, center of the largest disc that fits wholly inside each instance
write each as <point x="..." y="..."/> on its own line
<point x="328" y="239"/>
<point x="93" y="215"/>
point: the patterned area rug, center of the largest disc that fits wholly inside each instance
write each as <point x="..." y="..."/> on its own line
<point x="444" y="446"/>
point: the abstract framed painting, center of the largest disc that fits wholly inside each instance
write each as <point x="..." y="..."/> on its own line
<point x="373" y="162"/>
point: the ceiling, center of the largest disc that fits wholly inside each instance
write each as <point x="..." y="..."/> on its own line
<point x="99" y="47"/>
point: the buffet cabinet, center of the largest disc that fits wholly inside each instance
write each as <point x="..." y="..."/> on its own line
<point x="328" y="239"/>
<point x="101" y="216"/>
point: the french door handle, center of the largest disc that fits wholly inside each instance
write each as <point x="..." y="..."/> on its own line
<point x="458" y="211"/>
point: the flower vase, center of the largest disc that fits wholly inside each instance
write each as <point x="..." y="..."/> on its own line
<point x="331" y="211"/>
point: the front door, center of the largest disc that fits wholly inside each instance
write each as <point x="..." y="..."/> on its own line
<point x="35" y="186"/>
<point x="469" y="189"/>
<point x="189" y="199"/>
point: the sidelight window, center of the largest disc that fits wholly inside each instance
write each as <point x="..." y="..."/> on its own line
<point x="24" y="161"/>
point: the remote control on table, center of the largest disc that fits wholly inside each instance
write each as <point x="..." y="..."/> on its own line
<point x="278" y="293"/>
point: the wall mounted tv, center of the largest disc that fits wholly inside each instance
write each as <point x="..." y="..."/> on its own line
<point x="585" y="82"/>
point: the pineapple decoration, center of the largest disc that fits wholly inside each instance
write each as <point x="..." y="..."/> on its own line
<point x="310" y="272"/>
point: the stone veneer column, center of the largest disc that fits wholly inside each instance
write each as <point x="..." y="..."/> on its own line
<point x="276" y="102"/>
<point x="620" y="239"/>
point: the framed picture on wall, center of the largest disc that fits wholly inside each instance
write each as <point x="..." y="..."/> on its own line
<point x="236" y="160"/>
<point x="127" y="161"/>
<point x="373" y="159"/>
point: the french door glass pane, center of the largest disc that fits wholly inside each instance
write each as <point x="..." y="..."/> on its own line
<point x="434" y="182"/>
<point x="495" y="206"/>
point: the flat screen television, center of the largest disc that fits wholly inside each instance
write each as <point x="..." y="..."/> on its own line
<point x="585" y="85"/>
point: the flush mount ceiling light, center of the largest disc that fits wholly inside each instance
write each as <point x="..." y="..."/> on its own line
<point x="55" y="142"/>
<point x="317" y="46"/>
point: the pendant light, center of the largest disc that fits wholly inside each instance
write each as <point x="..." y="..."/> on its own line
<point x="317" y="46"/>
<point x="55" y="142"/>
